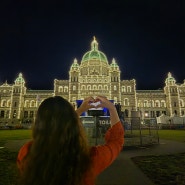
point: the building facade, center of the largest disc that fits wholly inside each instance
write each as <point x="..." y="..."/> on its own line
<point x="92" y="76"/>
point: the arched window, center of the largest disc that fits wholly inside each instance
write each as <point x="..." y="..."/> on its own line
<point x="25" y="114"/>
<point x="99" y="87"/>
<point x="128" y="89"/>
<point x="157" y="103"/>
<point x="31" y="114"/>
<point x="105" y="87"/>
<point x="115" y="88"/>
<point x="26" y="103"/>
<point x="88" y="87"/>
<point x="3" y="103"/>
<point x="163" y="103"/>
<point x="152" y="103"/>
<point x="60" y="89"/>
<point x="8" y="103"/>
<point x="74" y="87"/>
<point x="32" y="103"/>
<point x="145" y="103"/>
<point x="126" y="102"/>
<point x="123" y="89"/>
<point x="65" y="88"/>
<point x="94" y="87"/>
<point x="181" y="103"/>
<point x="83" y="87"/>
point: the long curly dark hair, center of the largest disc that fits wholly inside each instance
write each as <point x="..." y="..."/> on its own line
<point x="59" y="154"/>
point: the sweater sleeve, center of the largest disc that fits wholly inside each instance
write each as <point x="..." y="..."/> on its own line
<point x="104" y="155"/>
<point x="22" y="154"/>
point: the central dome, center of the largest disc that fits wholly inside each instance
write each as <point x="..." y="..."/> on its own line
<point x="94" y="53"/>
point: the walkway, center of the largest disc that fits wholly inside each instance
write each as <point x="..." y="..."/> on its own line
<point x="124" y="172"/>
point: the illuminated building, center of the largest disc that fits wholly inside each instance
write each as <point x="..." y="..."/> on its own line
<point x="93" y="75"/>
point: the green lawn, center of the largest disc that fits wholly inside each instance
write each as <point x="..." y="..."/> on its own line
<point x="163" y="169"/>
<point x="175" y="135"/>
<point x="14" y="135"/>
<point x="7" y="157"/>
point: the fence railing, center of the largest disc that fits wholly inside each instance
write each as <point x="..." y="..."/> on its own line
<point x="137" y="132"/>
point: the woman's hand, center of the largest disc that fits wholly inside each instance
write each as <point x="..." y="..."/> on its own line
<point x="86" y="105"/>
<point x="99" y="102"/>
<point x="104" y="102"/>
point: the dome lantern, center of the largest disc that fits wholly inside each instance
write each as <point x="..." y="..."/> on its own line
<point x="170" y="80"/>
<point x="94" y="44"/>
<point x="75" y="65"/>
<point x="94" y="53"/>
<point x="114" y="65"/>
<point x="20" y="80"/>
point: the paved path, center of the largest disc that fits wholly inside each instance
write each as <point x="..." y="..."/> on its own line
<point x="123" y="171"/>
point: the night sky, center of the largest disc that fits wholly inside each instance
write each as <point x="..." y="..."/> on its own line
<point x="41" y="39"/>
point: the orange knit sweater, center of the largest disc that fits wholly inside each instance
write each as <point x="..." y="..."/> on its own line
<point x="102" y="155"/>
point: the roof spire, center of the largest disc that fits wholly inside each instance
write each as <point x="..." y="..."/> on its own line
<point x="94" y="44"/>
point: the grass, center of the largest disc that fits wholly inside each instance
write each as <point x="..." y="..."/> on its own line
<point x="161" y="169"/>
<point x="7" y="167"/>
<point x="15" y="134"/>
<point x="8" y="158"/>
<point x="175" y="135"/>
<point x="165" y="169"/>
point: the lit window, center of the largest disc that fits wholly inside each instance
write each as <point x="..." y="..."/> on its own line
<point x="60" y="89"/>
<point x="83" y="87"/>
<point x="32" y="103"/>
<point x="157" y="103"/>
<point x="88" y="87"/>
<point x="123" y="89"/>
<point x="65" y="89"/>
<point x="94" y="87"/>
<point x="31" y="114"/>
<point x="100" y="87"/>
<point x="126" y="102"/>
<point x="145" y="103"/>
<point x="105" y="87"/>
<point x="25" y="114"/>
<point x="26" y="103"/>
<point x="128" y="89"/>
<point x="74" y="87"/>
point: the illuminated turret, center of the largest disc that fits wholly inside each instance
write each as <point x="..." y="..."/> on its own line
<point x="20" y="80"/>
<point x="170" y="80"/>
